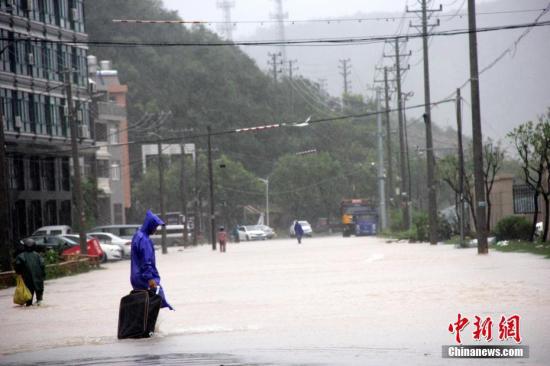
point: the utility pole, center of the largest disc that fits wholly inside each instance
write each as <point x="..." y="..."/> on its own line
<point x="389" y="182"/>
<point x="183" y="194"/>
<point x="391" y="189"/>
<point x="461" y="164"/>
<point x="196" y="218"/>
<point x="5" y="231"/>
<point x="211" y="183"/>
<point x="77" y="189"/>
<point x="227" y="26"/>
<point x="274" y="64"/>
<point x="405" y="97"/>
<point x="266" y="182"/>
<point x="280" y="17"/>
<point x="345" y="67"/>
<point x="403" y="197"/>
<point x="430" y="161"/>
<point x="404" y="194"/>
<point x="432" y="204"/>
<point x="291" y="68"/>
<point x="161" y="193"/>
<point x="381" y="178"/>
<point x="480" y="199"/>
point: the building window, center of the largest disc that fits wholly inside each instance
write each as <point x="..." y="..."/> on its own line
<point x="117" y="208"/>
<point x="65" y="174"/>
<point x="101" y="132"/>
<point x="50" y="213"/>
<point x="7" y="108"/>
<point x="113" y="135"/>
<point x="34" y="170"/>
<point x="65" y="217"/>
<point x="35" y="215"/>
<point x="48" y="168"/>
<point x="17" y="173"/>
<point x="20" y="218"/>
<point x="115" y="170"/>
<point x="103" y="169"/>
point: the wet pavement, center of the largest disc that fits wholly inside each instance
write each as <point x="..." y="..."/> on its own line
<point x="329" y="301"/>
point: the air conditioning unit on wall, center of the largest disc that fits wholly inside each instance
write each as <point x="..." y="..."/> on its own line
<point x="83" y="132"/>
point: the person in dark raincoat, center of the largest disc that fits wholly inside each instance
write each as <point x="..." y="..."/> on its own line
<point x="30" y="265"/>
<point x="298" y="231"/>
<point x="144" y="274"/>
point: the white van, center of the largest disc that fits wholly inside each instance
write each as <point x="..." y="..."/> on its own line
<point x="174" y="235"/>
<point x="53" y="230"/>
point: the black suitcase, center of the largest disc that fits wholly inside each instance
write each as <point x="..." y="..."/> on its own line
<point x="138" y="314"/>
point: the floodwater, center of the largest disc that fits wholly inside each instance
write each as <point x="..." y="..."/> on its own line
<point x="329" y="301"/>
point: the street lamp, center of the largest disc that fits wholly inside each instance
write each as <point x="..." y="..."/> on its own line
<point x="161" y="189"/>
<point x="266" y="182"/>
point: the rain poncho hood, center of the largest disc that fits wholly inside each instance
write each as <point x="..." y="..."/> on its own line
<point x="143" y="263"/>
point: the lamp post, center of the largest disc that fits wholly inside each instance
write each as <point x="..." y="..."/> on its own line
<point x="266" y="182"/>
<point x="161" y="190"/>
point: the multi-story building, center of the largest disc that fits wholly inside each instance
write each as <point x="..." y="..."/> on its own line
<point x="111" y="133"/>
<point x="38" y="50"/>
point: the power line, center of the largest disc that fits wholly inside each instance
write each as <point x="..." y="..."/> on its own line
<point x="301" y="42"/>
<point x="328" y="21"/>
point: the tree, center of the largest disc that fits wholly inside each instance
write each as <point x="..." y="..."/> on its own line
<point x="532" y="141"/>
<point x="448" y="170"/>
<point x="492" y="162"/>
<point x="310" y="186"/>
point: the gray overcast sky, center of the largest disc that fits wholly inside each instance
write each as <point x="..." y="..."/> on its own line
<point x="207" y="10"/>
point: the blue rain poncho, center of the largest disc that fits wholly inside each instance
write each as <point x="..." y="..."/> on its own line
<point x="143" y="263"/>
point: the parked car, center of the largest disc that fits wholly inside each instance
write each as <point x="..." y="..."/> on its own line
<point x="269" y="232"/>
<point x="306" y="227"/>
<point x="93" y="246"/>
<point x="110" y="251"/>
<point x="53" y="230"/>
<point x="251" y="232"/>
<point x="108" y="238"/>
<point x="122" y="231"/>
<point x="53" y="242"/>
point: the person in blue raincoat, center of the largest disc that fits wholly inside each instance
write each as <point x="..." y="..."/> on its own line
<point x="144" y="274"/>
<point x="298" y="231"/>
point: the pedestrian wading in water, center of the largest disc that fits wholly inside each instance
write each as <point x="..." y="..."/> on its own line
<point x="144" y="274"/>
<point x="298" y="231"/>
<point x="30" y="265"/>
<point x="222" y="238"/>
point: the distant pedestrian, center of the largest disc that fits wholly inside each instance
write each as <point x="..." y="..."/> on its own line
<point x="144" y="274"/>
<point x="30" y="265"/>
<point x="222" y="238"/>
<point x="298" y="231"/>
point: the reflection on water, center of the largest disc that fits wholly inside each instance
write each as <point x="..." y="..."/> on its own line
<point x="201" y="359"/>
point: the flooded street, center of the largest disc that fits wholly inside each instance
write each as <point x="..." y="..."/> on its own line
<point x="329" y="301"/>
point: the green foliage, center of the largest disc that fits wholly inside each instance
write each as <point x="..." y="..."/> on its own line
<point x="51" y="257"/>
<point x="308" y="186"/>
<point x="421" y="227"/>
<point x="58" y="270"/>
<point x="513" y="227"/>
<point x="396" y="220"/>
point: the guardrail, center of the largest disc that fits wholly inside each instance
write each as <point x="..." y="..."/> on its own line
<point x="72" y="264"/>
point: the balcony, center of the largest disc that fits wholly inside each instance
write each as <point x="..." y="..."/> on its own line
<point x="111" y="111"/>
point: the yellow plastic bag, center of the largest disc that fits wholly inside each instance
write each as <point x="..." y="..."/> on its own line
<point x="22" y="293"/>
